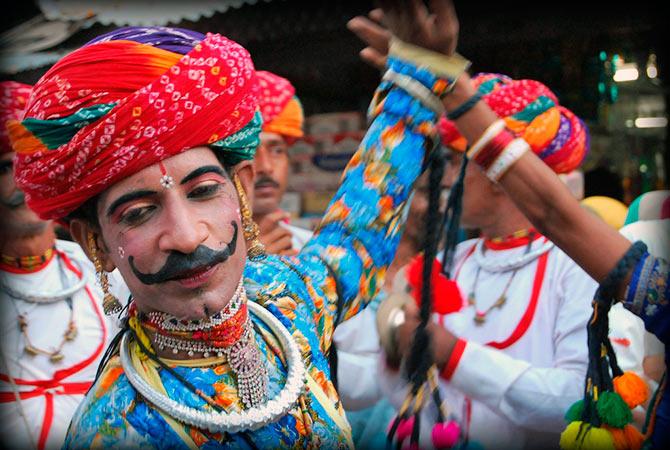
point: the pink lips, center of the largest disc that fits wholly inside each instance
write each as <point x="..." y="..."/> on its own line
<point x="197" y="278"/>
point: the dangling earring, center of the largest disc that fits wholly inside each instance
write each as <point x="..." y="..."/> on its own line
<point x="110" y="304"/>
<point x="255" y="249"/>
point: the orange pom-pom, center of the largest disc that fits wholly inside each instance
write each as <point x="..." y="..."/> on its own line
<point x="634" y="437"/>
<point x="631" y="388"/>
<point x="618" y="437"/>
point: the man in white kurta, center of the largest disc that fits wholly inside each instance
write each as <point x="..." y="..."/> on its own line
<point x="53" y="332"/>
<point x="48" y="391"/>
<point x="515" y="371"/>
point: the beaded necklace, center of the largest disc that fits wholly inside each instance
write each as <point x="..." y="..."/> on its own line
<point x="56" y="354"/>
<point x="519" y="237"/>
<point x="228" y="333"/>
<point x="27" y="263"/>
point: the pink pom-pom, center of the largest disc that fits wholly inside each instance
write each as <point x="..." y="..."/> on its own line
<point x="445" y="435"/>
<point x="405" y="429"/>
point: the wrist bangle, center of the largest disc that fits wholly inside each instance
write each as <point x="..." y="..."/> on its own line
<point x="491" y="151"/>
<point x="416" y="90"/>
<point x="510" y="155"/>
<point x="465" y="106"/>
<point x="493" y="129"/>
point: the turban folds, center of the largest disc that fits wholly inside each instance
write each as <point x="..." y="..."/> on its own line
<point x="13" y="100"/>
<point x="125" y="101"/>
<point x="530" y="110"/>
<point x="281" y="109"/>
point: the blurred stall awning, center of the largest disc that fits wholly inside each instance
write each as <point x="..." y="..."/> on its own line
<point x="135" y="13"/>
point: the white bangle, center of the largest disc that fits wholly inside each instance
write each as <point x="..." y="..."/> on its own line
<point x="492" y="131"/>
<point x="507" y="158"/>
<point x="416" y="90"/>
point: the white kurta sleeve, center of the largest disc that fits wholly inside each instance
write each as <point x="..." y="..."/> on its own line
<point x="527" y="395"/>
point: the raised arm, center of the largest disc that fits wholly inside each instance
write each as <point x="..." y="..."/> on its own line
<point x="359" y="233"/>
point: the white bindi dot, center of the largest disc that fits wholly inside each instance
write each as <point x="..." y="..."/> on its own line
<point x="122" y="252"/>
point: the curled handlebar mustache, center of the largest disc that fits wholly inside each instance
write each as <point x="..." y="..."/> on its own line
<point x="179" y="264"/>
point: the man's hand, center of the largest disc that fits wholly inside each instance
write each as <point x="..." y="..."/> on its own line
<point x="277" y="239"/>
<point x="442" y="340"/>
<point x="411" y="21"/>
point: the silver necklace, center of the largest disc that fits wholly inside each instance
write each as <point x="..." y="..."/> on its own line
<point x="233" y="422"/>
<point x="169" y="322"/>
<point x="510" y="264"/>
<point x="45" y="297"/>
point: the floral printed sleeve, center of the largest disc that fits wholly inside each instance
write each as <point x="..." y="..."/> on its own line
<point x="359" y="233"/>
<point x="648" y="295"/>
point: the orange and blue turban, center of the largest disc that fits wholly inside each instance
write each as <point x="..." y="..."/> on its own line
<point x="531" y="111"/>
<point x="127" y="100"/>
<point x="281" y="109"/>
<point x="13" y="100"/>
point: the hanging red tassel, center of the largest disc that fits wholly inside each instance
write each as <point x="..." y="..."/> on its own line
<point x="446" y="295"/>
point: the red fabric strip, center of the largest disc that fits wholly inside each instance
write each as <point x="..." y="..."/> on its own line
<point x="47" y="421"/>
<point x="527" y="318"/>
<point x="507" y="244"/>
<point x="456" y="354"/>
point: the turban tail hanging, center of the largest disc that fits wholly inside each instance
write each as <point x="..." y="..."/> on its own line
<point x="13" y="100"/>
<point x="281" y="109"/>
<point x="532" y="112"/>
<point x="126" y="101"/>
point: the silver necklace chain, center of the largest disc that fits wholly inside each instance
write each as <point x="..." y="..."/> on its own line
<point x="233" y="422"/>
<point x="45" y="297"/>
<point x="509" y="264"/>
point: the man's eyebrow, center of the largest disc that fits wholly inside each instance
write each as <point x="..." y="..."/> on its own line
<point x="125" y="198"/>
<point x="201" y="171"/>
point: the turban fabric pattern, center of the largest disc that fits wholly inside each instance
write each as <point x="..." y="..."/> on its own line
<point x="531" y="111"/>
<point x="13" y="100"/>
<point x="125" y="101"/>
<point x="281" y="109"/>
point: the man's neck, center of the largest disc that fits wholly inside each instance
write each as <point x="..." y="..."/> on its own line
<point x="507" y="221"/>
<point x="30" y="245"/>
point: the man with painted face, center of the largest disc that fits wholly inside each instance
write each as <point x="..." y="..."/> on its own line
<point x="142" y="140"/>
<point x="53" y="330"/>
<point x="283" y="121"/>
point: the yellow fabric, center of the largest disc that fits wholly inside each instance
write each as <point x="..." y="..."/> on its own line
<point x="147" y="369"/>
<point x="610" y="210"/>
<point x="327" y="405"/>
<point x="289" y="122"/>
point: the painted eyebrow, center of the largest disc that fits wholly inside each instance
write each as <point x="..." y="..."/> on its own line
<point x="201" y="171"/>
<point x="125" y="198"/>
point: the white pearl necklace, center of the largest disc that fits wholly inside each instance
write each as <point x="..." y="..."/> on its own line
<point x="510" y="264"/>
<point x="233" y="422"/>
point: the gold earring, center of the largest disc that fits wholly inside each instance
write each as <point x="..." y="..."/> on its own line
<point x="255" y="248"/>
<point x="110" y="304"/>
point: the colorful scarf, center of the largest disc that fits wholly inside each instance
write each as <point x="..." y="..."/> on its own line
<point x="281" y="109"/>
<point x="125" y="101"/>
<point x="13" y="100"/>
<point x="531" y="111"/>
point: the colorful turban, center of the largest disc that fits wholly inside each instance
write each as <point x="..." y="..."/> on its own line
<point x="281" y="109"/>
<point x="13" y="100"/>
<point x="652" y="205"/>
<point x="128" y="100"/>
<point x="531" y="111"/>
<point x="610" y="210"/>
